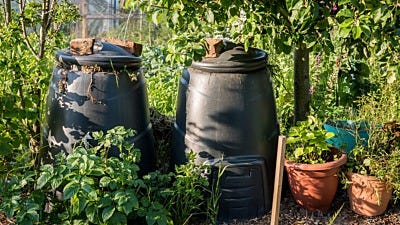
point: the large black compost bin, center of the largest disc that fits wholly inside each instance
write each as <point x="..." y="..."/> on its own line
<point x="97" y="92"/>
<point x="226" y="114"/>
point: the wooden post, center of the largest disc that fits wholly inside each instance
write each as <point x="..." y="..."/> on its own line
<point x="84" y="13"/>
<point x="276" y="200"/>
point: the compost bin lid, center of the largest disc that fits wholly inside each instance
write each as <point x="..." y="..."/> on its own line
<point x="234" y="59"/>
<point x="106" y="56"/>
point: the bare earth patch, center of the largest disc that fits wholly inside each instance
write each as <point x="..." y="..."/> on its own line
<point x="291" y="213"/>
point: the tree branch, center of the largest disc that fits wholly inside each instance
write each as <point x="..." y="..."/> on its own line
<point x="21" y="5"/>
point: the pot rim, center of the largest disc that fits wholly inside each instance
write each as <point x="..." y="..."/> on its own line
<point x="367" y="177"/>
<point x="317" y="167"/>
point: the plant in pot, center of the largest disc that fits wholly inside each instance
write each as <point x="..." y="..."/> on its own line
<point x="373" y="171"/>
<point x="312" y="165"/>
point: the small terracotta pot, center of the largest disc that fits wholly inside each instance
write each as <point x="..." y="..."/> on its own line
<point x="368" y="195"/>
<point x="314" y="185"/>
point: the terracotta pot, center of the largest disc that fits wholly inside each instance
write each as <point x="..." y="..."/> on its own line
<point x="314" y="185"/>
<point x="368" y="195"/>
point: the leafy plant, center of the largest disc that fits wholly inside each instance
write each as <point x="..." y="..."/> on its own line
<point x="28" y="37"/>
<point x="381" y="156"/>
<point x="162" y="79"/>
<point x="188" y="190"/>
<point x="87" y="187"/>
<point x="344" y="27"/>
<point x="98" y="189"/>
<point x="307" y="143"/>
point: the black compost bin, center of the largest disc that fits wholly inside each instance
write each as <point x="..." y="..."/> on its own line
<point x="226" y="114"/>
<point x="97" y="92"/>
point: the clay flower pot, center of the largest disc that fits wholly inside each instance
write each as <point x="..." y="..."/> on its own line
<point x="368" y="195"/>
<point x="314" y="185"/>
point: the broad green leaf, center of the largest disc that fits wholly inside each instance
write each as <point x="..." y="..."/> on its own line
<point x="151" y="218"/>
<point x="310" y="44"/>
<point x="345" y="13"/>
<point x="118" y="219"/>
<point x="290" y="140"/>
<point x="310" y="135"/>
<point x="92" y="194"/>
<point x="70" y="189"/>
<point x="105" y="181"/>
<point x="91" y="211"/>
<point x="356" y="32"/>
<point x="346" y="23"/>
<point x="75" y="205"/>
<point x="365" y="29"/>
<point x="107" y="213"/>
<point x="47" y="168"/>
<point x="344" y="32"/>
<point x="43" y="179"/>
<point x="298" y="152"/>
<point x="104" y="202"/>
<point x="342" y="2"/>
<point x="82" y="203"/>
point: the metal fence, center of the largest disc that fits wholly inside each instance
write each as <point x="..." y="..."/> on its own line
<point x="102" y="16"/>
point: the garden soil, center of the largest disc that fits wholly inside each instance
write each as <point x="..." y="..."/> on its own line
<point x="293" y="214"/>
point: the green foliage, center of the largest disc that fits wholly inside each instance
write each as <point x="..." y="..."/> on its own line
<point x="87" y="187"/>
<point x="15" y="202"/>
<point x="381" y="156"/>
<point x="162" y="79"/>
<point x="215" y="194"/>
<point x="370" y="30"/>
<point x="365" y="32"/>
<point x="102" y="190"/>
<point x="307" y="143"/>
<point x="187" y="197"/>
<point x="25" y="67"/>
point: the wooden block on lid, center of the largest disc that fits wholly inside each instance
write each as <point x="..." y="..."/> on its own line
<point x="129" y="46"/>
<point x="81" y="46"/>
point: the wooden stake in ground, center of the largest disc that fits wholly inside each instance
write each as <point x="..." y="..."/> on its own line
<point x="276" y="200"/>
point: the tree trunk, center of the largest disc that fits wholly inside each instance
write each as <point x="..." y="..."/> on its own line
<point x="302" y="96"/>
<point x="7" y="11"/>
